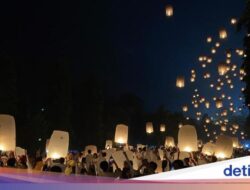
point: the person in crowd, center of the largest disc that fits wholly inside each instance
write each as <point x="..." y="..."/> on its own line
<point x="11" y="162"/>
<point x="70" y="165"/>
<point x="58" y="166"/>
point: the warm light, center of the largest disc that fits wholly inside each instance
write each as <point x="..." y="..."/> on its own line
<point x="55" y="155"/>
<point x="233" y="21"/>
<point x="209" y="39"/>
<point x="222" y="69"/>
<point x="162" y="128"/>
<point x="169" y="10"/>
<point x="187" y="149"/>
<point x="220" y="155"/>
<point x="184" y="108"/>
<point x="180" y="82"/>
<point x="2" y="148"/>
<point x="121" y="134"/>
<point x="149" y="127"/>
<point x="223" y="34"/>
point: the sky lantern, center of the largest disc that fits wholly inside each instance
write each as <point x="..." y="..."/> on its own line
<point x="209" y="39"/>
<point x="149" y="127"/>
<point x="169" y="10"/>
<point x="224" y="147"/>
<point x="180" y="81"/>
<point x="121" y="134"/>
<point x="169" y="142"/>
<point x="108" y="144"/>
<point x="217" y="44"/>
<point x="185" y="108"/>
<point x="223" y="34"/>
<point x="58" y="145"/>
<point x="222" y="69"/>
<point x="187" y="139"/>
<point x="208" y="149"/>
<point x="219" y="103"/>
<point x="213" y="50"/>
<point x="93" y="149"/>
<point x="207" y="104"/>
<point x="162" y="128"/>
<point x="223" y="128"/>
<point x="233" y="21"/>
<point x="235" y="142"/>
<point x="7" y="133"/>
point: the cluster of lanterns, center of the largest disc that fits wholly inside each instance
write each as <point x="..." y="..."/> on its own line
<point x="221" y="84"/>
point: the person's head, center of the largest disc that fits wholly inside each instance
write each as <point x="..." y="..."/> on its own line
<point x="164" y="164"/>
<point x="70" y="156"/>
<point x="178" y="164"/>
<point x="89" y="151"/>
<point x="144" y="149"/>
<point x="61" y="160"/>
<point x="153" y="166"/>
<point x="144" y="162"/>
<point x="125" y="164"/>
<point x="104" y="166"/>
<point x="95" y="155"/>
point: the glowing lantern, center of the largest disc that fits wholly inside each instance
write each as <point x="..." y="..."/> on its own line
<point x="235" y="142"/>
<point x="162" y="128"/>
<point x="169" y="10"/>
<point x="222" y="69"/>
<point x="217" y="44"/>
<point x="121" y="134"/>
<point x="208" y="149"/>
<point x="7" y="133"/>
<point x="223" y="34"/>
<point x="180" y="125"/>
<point x="223" y="128"/>
<point x="58" y="144"/>
<point x="219" y="104"/>
<point x="233" y="21"/>
<point x="149" y="127"/>
<point x="185" y="108"/>
<point x="207" y="120"/>
<point x="93" y="149"/>
<point x="209" y="39"/>
<point x="187" y="139"/>
<point x="224" y="147"/>
<point x="169" y="142"/>
<point x="213" y="50"/>
<point x="108" y="144"/>
<point x="180" y="82"/>
<point x="207" y="105"/>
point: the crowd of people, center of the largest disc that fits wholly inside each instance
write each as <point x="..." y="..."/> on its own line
<point x="145" y="161"/>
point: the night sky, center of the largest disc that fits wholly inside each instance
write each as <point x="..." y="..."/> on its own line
<point x="129" y="44"/>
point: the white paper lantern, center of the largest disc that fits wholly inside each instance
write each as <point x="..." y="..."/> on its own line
<point x="222" y="69"/>
<point x="58" y="144"/>
<point x="169" y="10"/>
<point x="162" y="128"/>
<point x="109" y="144"/>
<point x="219" y="103"/>
<point x="224" y="147"/>
<point x="121" y="134"/>
<point x="93" y="149"/>
<point x="7" y="133"/>
<point x="235" y="142"/>
<point x="223" y="34"/>
<point x="185" y="108"/>
<point x="180" y="82"/>
<point x="187" y="139"/>
<point x="208" y="149"/>
<point x="169" y="142"/>
<point x="149" y="127"/>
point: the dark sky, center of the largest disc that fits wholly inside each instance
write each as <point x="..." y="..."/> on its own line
<point x="129" y="44"/>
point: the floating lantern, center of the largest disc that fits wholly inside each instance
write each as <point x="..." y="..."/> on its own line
<point x="162" y="128"/>
<point x="58" y="145"/>
<point x="233" y="21"/>
<point x="213" y="50"/>
<point x="149" y="127"/>
<point x="222" y="69"/>
<point x="209" y="60"/>
<point x="223" y="34"/>
<point x="93" y="149"/>
<point x="108" y="144"/>
<point x="217" y="44"/>
<point x="121" y="134"/>
<point x="187" y="139"/>
<point x="180" y="125"/>
<point x="219" y="104"/>
<point x="235" y="142"/>
<point x="224" y="147"/>
<point x="169" y="142"/>
<point x="223" y="128"/>
<point x="7" y="133"/>
<point x="209" y="39"/>
<point x="235" y="126"/>
<point x="207" y="105"/>
<point x="208" y="149"/>
<point x="169" y="10"/>
<point x="180" y="82"/>
<point x="185" y="108"/>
